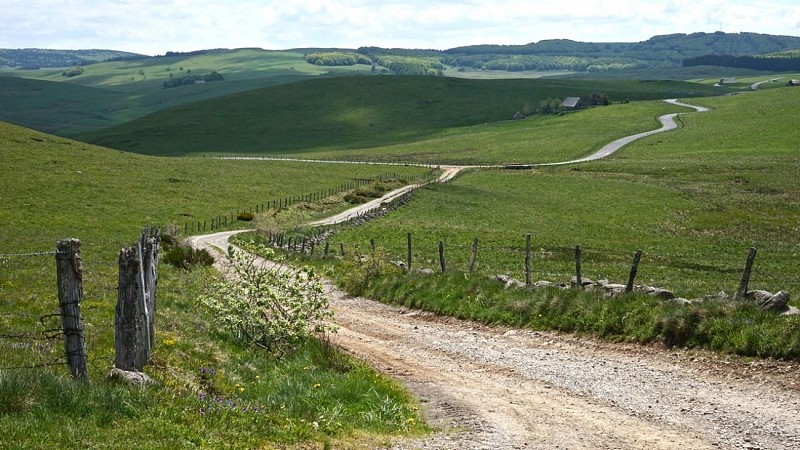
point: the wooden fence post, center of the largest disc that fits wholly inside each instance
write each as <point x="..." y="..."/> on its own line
<point x="442" y="261"/>
<point x="134" y="319"/>
<point x="372" y="244"/>
<point x="70" y="293"/>
<point x="327" y="248"/>
<point x="634" y="269"/>
<point x="741" y="294"/>
<point x="578" y="276"/>
<point x="528" y="260"/>
<point x="408" y="259"/>
<point x="474" y="255"/>
<point x="341" y="248"/>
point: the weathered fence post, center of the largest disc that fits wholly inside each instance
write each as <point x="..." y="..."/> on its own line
<point x="741" y="294"/>
<point x="578" y="277"/>
<point x="70" y="293"/>
<point x="341" y="248"/>
<point x="372" y="244"/>
<point x="634" y="269"/>
<point x="408" y="259"/>
<point x="442" y="261"/>
<point x="474" y="255"/>
<point x="134" y="320"/>
<point x="528" y="260"/>
<point x="327" y="248"/>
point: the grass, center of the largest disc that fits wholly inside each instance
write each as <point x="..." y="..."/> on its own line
<point x="54" y="188"/>
<point x="351" y="114"/>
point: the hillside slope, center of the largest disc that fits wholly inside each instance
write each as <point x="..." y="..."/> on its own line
<point x="355" y="112"/>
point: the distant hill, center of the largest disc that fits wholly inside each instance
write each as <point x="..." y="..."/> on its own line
<point x="671" y="48"/>
<point x="38" y="58"/>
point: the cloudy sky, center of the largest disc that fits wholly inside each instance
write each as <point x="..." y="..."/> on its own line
<point x="156" y="26"/>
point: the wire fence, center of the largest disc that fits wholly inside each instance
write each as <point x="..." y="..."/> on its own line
<point x="31" y="320"/>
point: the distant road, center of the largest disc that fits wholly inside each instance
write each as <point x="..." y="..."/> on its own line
<point x="667" y="124"/>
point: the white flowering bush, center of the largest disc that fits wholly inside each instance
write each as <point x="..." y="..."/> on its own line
<point x="266" y="304"/>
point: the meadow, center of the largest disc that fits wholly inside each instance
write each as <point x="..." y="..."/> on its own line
<point x="54" y="188"/>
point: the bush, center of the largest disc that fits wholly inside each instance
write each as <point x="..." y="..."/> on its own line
<point x="245" y="216"/>
<point x="184" y="257"/>
<point x="269" y="306"/>
<point x="360" y="271"/>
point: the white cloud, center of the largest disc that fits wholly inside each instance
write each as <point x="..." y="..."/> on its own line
<point x="151" y="27"/>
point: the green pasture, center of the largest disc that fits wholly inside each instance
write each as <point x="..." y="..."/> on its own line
<point x="356" y="113"/>
<point x="694" y="200"/>
<point x="53" y="188"/>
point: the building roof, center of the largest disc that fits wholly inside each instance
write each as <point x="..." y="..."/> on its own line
<point x="571" y="102"/>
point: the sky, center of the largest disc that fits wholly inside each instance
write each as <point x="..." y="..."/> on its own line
<point x="153" y="27"/>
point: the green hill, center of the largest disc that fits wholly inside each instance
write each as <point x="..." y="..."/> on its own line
<point x="355" y="112"/>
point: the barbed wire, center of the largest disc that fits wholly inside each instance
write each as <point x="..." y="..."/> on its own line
<point x="23" y="255"/>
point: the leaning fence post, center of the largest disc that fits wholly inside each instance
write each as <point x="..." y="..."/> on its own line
<point x="70" y="293"/>
<point x="634" y="269"/>
<point x="442" y="261"/>
<point x="474" y="255"/>
<point x="578" y="277"/>
<point x="528" y="260"/>
<point x="741" y="294"/>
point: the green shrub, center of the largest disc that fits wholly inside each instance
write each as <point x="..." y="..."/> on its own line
<point x="245" y="216"/>
<point x="184" y="257"/>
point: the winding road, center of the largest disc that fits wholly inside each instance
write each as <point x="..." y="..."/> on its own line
<point x="500" y="388"/>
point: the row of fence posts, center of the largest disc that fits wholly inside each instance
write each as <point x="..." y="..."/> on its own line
<point x="629" y="286"/>
<point x="278" y="239"/>
<point x="222" y="221"/>
<point x="134" y="318"/>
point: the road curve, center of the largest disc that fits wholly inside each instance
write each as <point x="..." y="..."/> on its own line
<point x="667" y="123"/>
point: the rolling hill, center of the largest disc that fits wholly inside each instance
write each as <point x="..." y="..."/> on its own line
<point x="355" y="112"/>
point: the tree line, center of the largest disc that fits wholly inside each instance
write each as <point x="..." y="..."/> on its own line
<point x="192" y="79"/>
<point x="791" y="64"/>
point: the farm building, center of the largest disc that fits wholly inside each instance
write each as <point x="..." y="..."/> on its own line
<point x="728" y="81"/>
<point x="571" y="103"/>
<point x="793" y="83"/>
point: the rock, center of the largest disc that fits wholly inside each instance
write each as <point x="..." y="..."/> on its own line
<point x="602" y="282"/>
<point x="680" y="301"/>
<point x="512" y="283"/>
<point x="584" y="281"/>
<point x="664" y="294"/>
<point x="399" y="264"/>
<point x="614" y="287"/>
<point x="758" y="295"/>
<point x="775" y="303"/>
<point x="542" y="284"/>
<point x="134" y="378"/>
<point x="791" y="311"/>
<point x="426" y="271"/>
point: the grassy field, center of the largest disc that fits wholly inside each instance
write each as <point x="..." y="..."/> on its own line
<point x="354" y="113"/>
<point x="694" y="200"/>
<point x="53" y="188"/>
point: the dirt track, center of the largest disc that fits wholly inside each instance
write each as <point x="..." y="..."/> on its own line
<point x="500" y="388"/>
